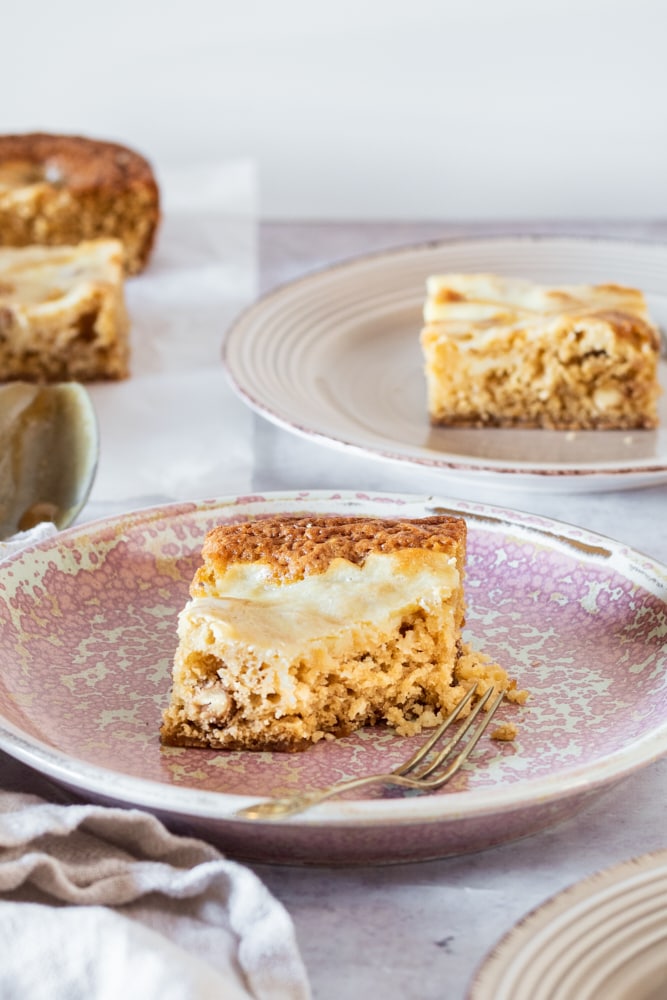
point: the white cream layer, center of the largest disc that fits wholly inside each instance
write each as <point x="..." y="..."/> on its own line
<point x="477" y="309"/>
<point x="457" y="296"/>
<point x="263" y="615"/>
<point x="41" y="279"/>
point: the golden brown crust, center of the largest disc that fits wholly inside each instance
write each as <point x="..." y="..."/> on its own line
<point x="60" y="190"/>
<point x="84" y="164"/>
<point x="544" y="422"/>
<point x="297" y="546"/>
<point x="171" y="737"/>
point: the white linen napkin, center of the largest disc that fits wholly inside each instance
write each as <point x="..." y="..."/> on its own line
<point x="175" y="429"/>
<point x="100" y="903"/>
<point x="24" y="538"/>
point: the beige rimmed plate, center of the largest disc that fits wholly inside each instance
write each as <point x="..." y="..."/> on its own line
<point x="604" y="938"/>
<point x="335" y="357"/>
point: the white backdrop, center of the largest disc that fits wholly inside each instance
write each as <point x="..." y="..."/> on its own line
<point x="365" y="108"/>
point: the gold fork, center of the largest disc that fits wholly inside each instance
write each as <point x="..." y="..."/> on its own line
<point x="425" y="779"/>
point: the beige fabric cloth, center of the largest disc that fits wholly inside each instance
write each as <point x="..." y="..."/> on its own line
<point x="105" y="904"/>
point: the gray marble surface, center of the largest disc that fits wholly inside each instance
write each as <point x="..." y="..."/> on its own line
<point x="420" y="930"/>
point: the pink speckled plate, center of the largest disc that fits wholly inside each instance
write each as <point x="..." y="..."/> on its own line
<point x="88" y="632"/>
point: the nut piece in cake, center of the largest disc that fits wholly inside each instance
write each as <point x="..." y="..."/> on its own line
<point x="508" y="353"/>
<point x="62" y="313"/>
<point x="301" y="628"/>
<point x="59" y="190"/>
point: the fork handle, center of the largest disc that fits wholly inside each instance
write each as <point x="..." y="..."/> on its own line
<point x="293" y="804"/>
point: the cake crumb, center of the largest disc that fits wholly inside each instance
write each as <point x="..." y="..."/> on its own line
<point x="517" y="697"/>
<point x="505" y="732"/>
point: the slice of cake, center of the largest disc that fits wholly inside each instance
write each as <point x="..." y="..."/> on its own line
<point x="508" y="353"/>
<point x="300" y="628"/>
<point x="62" y="313"/>
<point x="58" y="190"/>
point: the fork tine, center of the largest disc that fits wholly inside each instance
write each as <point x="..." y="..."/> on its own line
<point x="434" y="783"/>
<point x="434" y="738"/>
<point x="457" y="737"/>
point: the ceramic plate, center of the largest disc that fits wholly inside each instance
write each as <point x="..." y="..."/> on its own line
<point x="335" y="357"/>
<point x="87" y="636"/>
<point x="602" y="939"/>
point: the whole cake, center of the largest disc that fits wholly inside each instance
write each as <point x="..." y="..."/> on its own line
<point x="60" y="189"/>
<point x="509" y="353"/>
<point x="62" y="313"/>
<point x="301" y="628"/>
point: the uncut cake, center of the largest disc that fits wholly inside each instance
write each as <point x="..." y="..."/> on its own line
<point x="304" y="628"/>
<point x="62" y="313"/>
<point x="510" y="353"/>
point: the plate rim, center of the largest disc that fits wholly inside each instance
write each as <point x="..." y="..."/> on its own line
<point x="540" y="916"/>
<point x="535" y="472"/>
<point x="189" y="801"/>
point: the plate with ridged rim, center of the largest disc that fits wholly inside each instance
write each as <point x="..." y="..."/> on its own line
<point x="603" y="938"/>
<point x="335" y="357"/>
<point x="88" y="632"/>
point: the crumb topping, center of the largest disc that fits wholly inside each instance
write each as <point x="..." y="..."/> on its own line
<point x="296" y="546"/>
<point x="81" y="163"/>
